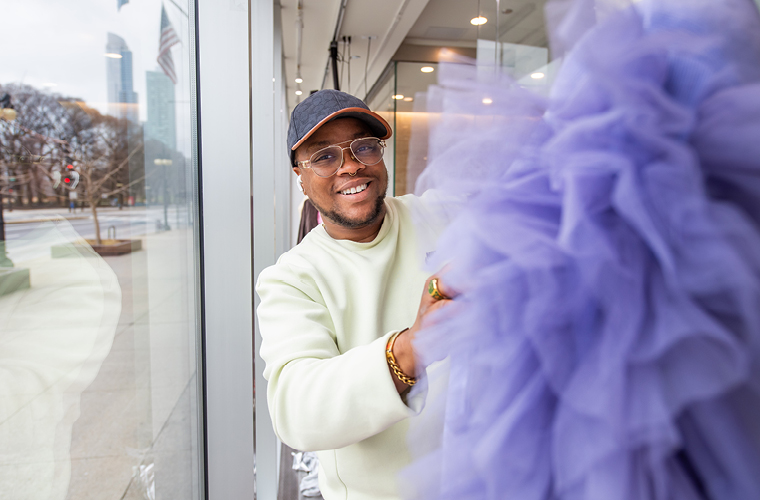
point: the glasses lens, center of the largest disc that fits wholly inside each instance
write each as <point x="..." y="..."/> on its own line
<point x="368" y="151"/>
<point x="326" y="162"/>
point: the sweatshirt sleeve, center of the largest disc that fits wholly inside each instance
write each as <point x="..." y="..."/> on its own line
<point x="319" y="398"/>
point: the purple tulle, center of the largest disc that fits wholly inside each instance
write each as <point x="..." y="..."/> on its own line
<point x="606" y="340"/>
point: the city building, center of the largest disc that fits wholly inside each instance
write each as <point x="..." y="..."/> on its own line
<point x="161" y="124"/>
<point x="122" y="99"/>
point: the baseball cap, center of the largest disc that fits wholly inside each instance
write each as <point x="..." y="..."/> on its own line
<point x="327" y="105"/>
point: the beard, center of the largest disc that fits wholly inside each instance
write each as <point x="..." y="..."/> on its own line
<point x="343" y="220"/>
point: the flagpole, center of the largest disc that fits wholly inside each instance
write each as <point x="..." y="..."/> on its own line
<point x="180" y="8"/>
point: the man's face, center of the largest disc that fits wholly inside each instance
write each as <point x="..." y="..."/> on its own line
<point x="327" y="194"/>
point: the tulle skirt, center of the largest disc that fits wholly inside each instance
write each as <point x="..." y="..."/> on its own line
<point x="606" y="336"/>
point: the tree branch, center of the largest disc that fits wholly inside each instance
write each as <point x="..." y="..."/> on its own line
<point x="99" y="184"/>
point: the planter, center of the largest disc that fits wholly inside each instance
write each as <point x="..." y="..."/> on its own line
<point x="115" y="247"/>
<point x="13" y="279"/>
<point x="108" y="247"/>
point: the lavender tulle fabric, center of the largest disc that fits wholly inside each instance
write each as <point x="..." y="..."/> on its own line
<point x="606" y="339"/>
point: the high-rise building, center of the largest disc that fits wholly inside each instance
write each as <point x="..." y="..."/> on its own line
<point x="122" y="99"/>
<point x="161" y="109"/>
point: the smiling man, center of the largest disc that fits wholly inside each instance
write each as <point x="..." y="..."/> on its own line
<point x="338" y="312"/>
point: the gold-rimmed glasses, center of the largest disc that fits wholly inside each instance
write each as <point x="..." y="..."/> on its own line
<point x="327" y="161"/>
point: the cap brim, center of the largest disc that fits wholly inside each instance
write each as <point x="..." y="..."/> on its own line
<point x="376" y="122"/>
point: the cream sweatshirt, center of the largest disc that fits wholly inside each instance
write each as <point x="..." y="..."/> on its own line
<point x="327" y="309"/>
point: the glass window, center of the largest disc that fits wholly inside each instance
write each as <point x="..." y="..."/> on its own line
<point x="99" y="252"/>
<point x="512" y="37"/>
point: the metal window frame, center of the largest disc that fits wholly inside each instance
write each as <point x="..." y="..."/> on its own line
<point x="224" y="111"/>
<point x="245" y="191"/>
<point x="271" y="202"/>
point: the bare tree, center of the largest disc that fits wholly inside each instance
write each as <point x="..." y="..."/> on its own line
<point x="52" y="132"/>
<point x="101" y="149"/>
<point x="31" y="142"/>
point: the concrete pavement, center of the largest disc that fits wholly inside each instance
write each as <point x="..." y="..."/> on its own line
<point x="117" y="417"/>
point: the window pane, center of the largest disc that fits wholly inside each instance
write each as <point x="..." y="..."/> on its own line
<point x="99" y="288"/>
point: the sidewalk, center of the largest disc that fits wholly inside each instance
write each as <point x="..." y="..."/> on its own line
<point x="25" y="216"/>
<point x="122" y="420"/>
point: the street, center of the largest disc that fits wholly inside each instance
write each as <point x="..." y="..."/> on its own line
<point x="130" y="222"/>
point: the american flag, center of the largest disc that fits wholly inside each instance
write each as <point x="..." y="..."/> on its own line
<point x="168" y="40"/>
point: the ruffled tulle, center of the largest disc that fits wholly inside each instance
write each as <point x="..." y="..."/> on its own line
<point x="606" y="339"/>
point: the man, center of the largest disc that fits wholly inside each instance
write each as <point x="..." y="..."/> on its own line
<point x="350" y="291"/>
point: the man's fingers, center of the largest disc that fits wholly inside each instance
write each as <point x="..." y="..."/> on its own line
<point x="425" y="319"/>
<point x="437" y="289"/>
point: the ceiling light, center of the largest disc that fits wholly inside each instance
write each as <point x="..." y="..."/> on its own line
<point x="298" y="92"/>
<point x="537" y="76"/>
<point x="299" y="79"/>
<point x="427" y="69"/>
<point x="113" y="56"/>
<point x="487" y="100"/>
<point x="408" y="99"/>
<point x="478" y="21"/>
<point x="398" y="96"/>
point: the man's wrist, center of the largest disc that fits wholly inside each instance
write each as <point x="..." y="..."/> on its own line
<point x="404" y="352"/>
<point x="398" y="355"/>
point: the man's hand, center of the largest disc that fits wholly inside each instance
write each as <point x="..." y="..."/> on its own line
<point x="402" y="348"/>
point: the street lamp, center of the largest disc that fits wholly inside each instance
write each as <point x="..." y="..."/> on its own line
<point x="7" y="113"/>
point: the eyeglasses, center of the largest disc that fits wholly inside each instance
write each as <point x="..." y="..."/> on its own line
<point x="326" y="162"/>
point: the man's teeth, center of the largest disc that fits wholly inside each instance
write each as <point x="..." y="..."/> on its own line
<point x="354" y="190"/>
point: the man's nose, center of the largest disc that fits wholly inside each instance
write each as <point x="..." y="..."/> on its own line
<point x="350" y="164"/>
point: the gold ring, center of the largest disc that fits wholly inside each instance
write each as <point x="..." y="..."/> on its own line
<point x="434" y="291"/>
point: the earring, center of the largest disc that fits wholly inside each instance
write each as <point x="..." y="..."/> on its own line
<point x="300" y="184"/>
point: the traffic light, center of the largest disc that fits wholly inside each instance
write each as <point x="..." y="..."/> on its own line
<point x="69" y="176"/>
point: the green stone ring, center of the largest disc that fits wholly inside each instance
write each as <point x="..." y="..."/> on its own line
<point x="434" y="291"/>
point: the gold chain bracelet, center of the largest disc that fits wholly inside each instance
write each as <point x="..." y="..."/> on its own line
<point x="410" y="381"/>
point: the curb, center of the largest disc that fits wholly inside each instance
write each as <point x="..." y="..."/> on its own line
<point x="30" y="221"/>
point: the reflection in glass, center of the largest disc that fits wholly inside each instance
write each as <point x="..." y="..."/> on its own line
<point x="98" y="253"/>
<point x="504" y="36"/>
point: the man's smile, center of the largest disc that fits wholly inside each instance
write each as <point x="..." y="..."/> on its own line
<point x="355" y="189"/>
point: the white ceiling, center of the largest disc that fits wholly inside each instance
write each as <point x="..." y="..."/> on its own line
<point x="378" y="28"/>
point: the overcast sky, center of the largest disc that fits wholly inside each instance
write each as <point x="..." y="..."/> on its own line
<point x="64" y="43"/>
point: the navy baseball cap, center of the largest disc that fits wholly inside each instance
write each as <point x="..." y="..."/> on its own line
<point x="327" y="105"/>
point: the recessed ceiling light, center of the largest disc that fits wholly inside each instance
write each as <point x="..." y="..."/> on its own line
<point x="299" y="79"/>
<point x="427" y="69"/>
<point x="478" y="21"/>
<point x="398" y="96"/>
<point x="408" y="99"/>
<point x="113" y="56"/>
<point x="298" y="92"/>
<point x="537" y="75"/>
<point x="487" y="100"/>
